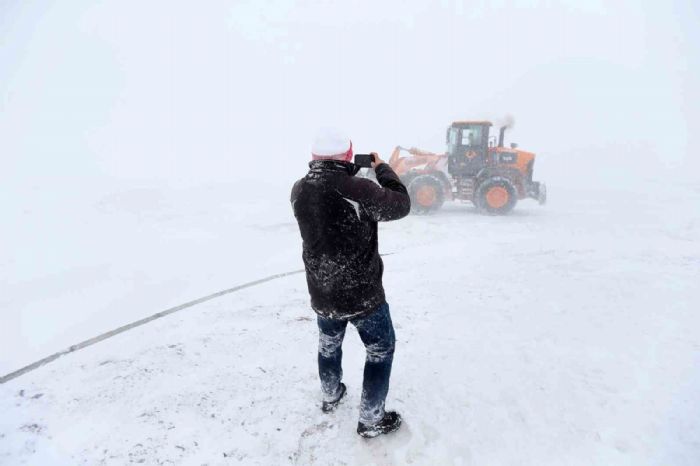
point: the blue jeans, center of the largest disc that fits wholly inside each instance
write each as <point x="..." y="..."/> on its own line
<point x="377" y="333"/>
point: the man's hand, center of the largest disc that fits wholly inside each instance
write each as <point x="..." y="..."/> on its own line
<point x="377" y="160"/>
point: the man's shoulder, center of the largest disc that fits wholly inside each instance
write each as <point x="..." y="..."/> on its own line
<point x="296" y="187"/>
<point x="357" y="186"/>
<point x="357" y="181"/>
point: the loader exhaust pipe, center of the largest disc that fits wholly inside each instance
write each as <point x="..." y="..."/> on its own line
<point x="501" y="135"/>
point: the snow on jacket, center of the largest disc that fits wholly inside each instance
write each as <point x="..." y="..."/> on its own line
<point x="337" y="215"/>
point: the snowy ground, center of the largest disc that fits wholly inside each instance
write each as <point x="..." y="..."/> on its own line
<point x="82" y="259"/>
<point x="557" y="335"/>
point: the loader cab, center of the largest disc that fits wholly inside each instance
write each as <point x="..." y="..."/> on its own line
<point x="467" y="147"/>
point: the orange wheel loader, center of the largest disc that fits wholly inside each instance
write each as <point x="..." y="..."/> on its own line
<point x="475" y="168"/>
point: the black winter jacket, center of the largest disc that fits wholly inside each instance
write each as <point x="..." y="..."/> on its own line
<point x="337" y="215"/>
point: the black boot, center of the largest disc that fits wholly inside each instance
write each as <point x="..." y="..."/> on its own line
<point x="329" y="406"/>
<point x="389" y="423"/>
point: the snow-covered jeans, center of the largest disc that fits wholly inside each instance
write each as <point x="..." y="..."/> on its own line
<point x="377" y="333"/>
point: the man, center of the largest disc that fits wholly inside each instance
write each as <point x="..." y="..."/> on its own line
<point x="337" y="215"/>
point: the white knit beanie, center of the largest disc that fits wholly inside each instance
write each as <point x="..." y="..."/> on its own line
<point x="331" y="143"/>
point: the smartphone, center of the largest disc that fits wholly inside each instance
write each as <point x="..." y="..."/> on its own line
<point x="364" y="160"/>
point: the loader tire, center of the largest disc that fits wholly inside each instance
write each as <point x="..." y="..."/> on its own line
<point x="496" y="196"/>
<point x="427" y="194"/>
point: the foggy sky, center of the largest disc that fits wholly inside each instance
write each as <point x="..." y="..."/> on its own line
<point x="187" y="92"/>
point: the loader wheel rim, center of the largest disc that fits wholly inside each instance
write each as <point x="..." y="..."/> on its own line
<point x="426" y="196"/>
<point x="497" y="197"/>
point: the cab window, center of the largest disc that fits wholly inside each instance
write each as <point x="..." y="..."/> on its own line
<point x="452" y="136"/>
<point x="471" y="136"/>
